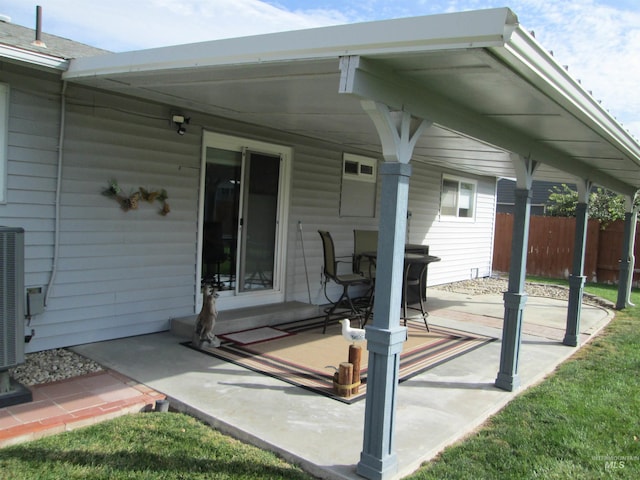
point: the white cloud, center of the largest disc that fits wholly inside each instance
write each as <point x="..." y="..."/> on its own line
<point x="601" y="46"/>
<point x="119" y="25"/>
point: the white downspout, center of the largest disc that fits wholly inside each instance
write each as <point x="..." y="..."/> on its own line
<point x="56" y="228"/>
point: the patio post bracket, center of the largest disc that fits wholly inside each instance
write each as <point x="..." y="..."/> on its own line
<point x="576" y="289"/>
<point x="508" y="378"/>
<point x="385" y="341"/>
<point x="378" y="459"/>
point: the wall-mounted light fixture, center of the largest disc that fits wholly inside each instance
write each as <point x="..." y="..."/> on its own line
<point x="180" y="121"/>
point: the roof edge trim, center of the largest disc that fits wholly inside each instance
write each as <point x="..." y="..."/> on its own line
<point x="473" y="29"/>
<point x="33" y="58"/>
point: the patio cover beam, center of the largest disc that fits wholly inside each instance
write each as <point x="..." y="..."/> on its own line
<point x="368" y="79"/>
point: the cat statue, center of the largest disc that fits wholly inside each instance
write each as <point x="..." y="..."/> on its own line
<point x="206" y="321"/>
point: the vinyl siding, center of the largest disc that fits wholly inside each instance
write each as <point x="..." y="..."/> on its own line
<point x="128" y="273"/>
<point x="119" y="273"/>
<point x="315" y="201"/>
<point x="34" y="114"/>
<point x="123" y="273"/>
<point x="465" y="246"/>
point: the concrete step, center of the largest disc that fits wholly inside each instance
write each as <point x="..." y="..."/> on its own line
<point x="248" y="317"/>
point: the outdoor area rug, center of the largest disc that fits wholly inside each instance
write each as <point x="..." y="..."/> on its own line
<point x="300" y="354"/>
<point x="254" y="335"/>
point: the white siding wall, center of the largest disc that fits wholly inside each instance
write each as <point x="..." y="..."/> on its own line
<point x="127" y="273"/>
<point x="34" y="113"/>
<point x="123" y="273"/>
<point x="464" y="245"/>
<point x="119" y="273"/>
<point x="315" y="202"/>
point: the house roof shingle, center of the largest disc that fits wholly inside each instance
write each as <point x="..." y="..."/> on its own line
<point x="23" y="38"/>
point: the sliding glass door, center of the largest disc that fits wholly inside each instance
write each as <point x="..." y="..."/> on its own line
<point x="261" y="173"/>
<point x="220" y="227"/>
<point x="241" y="210"/>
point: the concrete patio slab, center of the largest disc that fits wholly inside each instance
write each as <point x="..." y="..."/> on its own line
<point x="324" y="436"/>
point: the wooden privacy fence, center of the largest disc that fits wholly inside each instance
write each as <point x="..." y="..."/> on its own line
<point x="551" y="243"/>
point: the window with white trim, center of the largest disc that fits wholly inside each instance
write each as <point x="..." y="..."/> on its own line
<point x="358" y="189"/>
<point x="360" y="169"/>
<point x="458" y="197"/>
<point x="4" y="132"/>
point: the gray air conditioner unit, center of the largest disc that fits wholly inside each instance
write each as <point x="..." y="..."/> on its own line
<point x="11" y="297"/>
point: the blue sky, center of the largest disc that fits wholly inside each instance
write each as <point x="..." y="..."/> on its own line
<point x="599" y="40"/>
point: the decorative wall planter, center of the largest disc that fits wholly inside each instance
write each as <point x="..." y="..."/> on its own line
<point x="132" y="201"/>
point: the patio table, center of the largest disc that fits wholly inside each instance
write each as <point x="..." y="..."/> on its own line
<point x="414" y="274"/>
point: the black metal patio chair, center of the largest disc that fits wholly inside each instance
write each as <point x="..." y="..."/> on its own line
<point x="346" y="281"/>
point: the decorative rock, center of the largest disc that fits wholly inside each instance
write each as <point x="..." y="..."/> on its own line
<point x="52" y="365"/>
<point x="499" y="285"/>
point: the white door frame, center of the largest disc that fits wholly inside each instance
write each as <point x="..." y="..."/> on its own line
<point x="231" y="300"/>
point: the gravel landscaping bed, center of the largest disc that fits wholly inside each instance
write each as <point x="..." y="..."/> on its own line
<point x="499" y="285"/>
<point x="52" y="365"/>
<point x="59" y="364"/>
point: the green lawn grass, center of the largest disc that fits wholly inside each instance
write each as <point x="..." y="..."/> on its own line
<point x="147" y="446"/>
<point x="582" y="422"/>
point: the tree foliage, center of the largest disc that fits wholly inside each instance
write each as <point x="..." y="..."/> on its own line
<point x="604" y="205"/>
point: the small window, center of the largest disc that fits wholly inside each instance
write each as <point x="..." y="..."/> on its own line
<point x="350" y="168"/>
<point x="358" y="189"/>
<point x="458" y="198"/>
<point x="360" y="169"/>
<point x="367" y="170"/>
<point x="4" y="132"/>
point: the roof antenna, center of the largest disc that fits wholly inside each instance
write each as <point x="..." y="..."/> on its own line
<point x="38" y="42"/>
